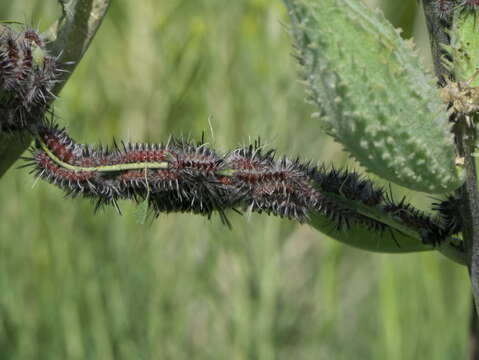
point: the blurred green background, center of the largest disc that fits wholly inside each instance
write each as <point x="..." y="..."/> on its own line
<point x="79" y="285"/>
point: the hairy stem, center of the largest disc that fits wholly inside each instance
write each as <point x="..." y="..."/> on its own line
<point x="470" y="209"/>
<point x="69" y="37"/>
<point x="473" y="329"/>
<point x="455" y="33"/>
<point x="438" y="29"/>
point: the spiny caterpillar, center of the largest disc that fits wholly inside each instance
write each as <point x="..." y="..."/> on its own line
<point x="27" y="76"/>
<point x="469" y="4"/>
<point x="184" y="176"/>
<point x="445" y="8"/>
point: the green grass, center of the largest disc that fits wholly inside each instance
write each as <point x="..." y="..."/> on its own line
<point x="79" y="285"/>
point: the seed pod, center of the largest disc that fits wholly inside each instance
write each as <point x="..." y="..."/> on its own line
<point x="375" y="97"/>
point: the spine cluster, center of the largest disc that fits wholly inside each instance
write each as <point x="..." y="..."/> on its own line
<point x="444" y="8"/>
<point x="27" y="76"/>
<point x="185" y="176"/>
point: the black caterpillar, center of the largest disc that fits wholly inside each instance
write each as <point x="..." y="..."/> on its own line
<point x="185" y="176"/>
<point x="27" y="77"/>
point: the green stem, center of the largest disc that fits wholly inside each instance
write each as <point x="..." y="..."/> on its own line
<point x="438" y="29"/>
<point x="101" y="168"/>
<point x="456" y="39"/>
<point x="470" y="208"/>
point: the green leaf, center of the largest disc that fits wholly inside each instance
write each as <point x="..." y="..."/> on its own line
<point x="387" y="241"/>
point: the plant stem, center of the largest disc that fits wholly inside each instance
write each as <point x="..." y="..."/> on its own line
<point x="69" y="37"/>
<point x="473" y="329"/>
<point x="438" y="29"/>
<point x="441" y="32"/>
<point x="470" y="208"/>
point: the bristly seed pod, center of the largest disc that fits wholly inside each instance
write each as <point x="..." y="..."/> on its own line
<point x="374" y="95"/>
